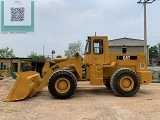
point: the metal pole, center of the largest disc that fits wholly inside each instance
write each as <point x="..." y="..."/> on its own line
<point x="53" y="52"/>
<point x="145" y="28"/>
<point x="145" y="31"/>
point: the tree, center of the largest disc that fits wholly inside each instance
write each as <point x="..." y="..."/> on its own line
<point x="153" y="52"/>
<point x="59" y="56"/>
<point x="73" y="48"/>
<point x="6" y="53"/>
<point x="37" y="58"/>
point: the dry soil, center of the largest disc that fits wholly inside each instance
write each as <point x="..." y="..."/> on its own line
<point x="88" y="103"/>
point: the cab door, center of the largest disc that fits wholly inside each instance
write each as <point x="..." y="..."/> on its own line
<point x="98" y="52"/>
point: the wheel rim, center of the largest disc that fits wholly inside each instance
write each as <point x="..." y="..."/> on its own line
<point x="62" y="85"/>
<point x="126" y="83"/>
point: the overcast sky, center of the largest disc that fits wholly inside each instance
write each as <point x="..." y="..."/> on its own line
<point x="60" y="22"/>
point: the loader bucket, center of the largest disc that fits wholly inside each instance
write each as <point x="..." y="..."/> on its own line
<point x="25" y="86"/>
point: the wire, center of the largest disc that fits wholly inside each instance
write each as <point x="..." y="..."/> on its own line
<point x="133" y="21"/>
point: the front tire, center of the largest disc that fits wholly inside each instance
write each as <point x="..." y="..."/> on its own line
<point x="125" y="82"/>
<point x="62" y="84"/>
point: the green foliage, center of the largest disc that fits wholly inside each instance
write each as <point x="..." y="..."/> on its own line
<point x="59" y="56"/>
<point x="37" y="58"/>
<point x="153" y="52"/>
<point x="6" y="53"/>
<point x="73" y="48"/>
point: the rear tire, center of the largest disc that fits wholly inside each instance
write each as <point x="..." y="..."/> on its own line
<point x="125" y="82"/>
<point x="62" y="84"/>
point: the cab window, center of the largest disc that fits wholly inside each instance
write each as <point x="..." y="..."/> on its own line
<point x="98" y="46"/>
<point x="88" y="47"/>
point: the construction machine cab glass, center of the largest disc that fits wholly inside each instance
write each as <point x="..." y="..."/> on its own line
<point x="98" y="46"/>
<point x="88" y="46"/>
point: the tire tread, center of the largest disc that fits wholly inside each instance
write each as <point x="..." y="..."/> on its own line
<point x="123" y="93"/>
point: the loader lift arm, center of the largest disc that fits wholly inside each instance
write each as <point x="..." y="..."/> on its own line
<point x="71" y="62"/>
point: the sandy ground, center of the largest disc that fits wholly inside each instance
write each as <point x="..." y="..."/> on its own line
<point x="88" y="103"/>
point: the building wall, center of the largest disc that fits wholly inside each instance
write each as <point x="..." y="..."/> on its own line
<point x="5" y="71"/>
<point x="133" y="46"/>
<point x="8" y="66"/>
<point x="130" y="49"/>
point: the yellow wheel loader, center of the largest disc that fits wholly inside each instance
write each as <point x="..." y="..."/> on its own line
<point x="121" y="72"/>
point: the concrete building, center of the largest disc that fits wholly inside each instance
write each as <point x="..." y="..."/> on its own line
<point x="10" y="66"/>
<point x="133" y="45"/>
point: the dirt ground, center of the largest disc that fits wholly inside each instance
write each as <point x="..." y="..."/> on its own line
<point x="88" y="103"/>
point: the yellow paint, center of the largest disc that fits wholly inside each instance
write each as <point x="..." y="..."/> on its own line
<point x="99" y="68"/>
<point x="62" y="85"/>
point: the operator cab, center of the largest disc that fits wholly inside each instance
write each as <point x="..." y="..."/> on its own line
<point x="97" y="46"/>
<point x="96" y="50"/>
